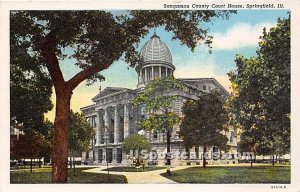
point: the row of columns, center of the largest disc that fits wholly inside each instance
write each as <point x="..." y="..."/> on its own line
<point x="107" y="123"/>
<point x="143" y="73"/>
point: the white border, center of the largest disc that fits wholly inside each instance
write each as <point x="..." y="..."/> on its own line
<point x="5" y="186"/>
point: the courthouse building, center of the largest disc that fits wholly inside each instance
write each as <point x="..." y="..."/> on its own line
<point x="114" y="118"/>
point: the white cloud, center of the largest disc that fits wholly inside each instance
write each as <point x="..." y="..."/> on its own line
<point x="240" y="35"/>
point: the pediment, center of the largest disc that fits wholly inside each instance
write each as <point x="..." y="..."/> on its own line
<point x="108" y="91"/>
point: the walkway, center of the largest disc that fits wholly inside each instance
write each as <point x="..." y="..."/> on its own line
<point x="148" y="177"/>
<point x="154" y="177"/>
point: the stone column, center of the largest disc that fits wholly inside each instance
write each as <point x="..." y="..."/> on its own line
<point x="146" y="76"/>
<point x="97" y="131"/>
<point x="124" y="161"/>
<point x="96" y="156"/>
<point x="140" y="76"/>
<point x="152" y="77"/>
<point x="159" y="68"/>
<point x="100" y="128"/>
<point x="106" y="124"/>
<point x="104" y="156"/>
<point x="126" y="120"/>
<point x="114" y="155"/>
<point x="116" y="125"/>
<point x="106" y="117"/>
<point x="166" y="71"/>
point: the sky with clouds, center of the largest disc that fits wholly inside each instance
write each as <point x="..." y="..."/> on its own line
<point x="238" y="35"/>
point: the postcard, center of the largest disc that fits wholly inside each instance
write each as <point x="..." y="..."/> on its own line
<point x="141" y="95"/>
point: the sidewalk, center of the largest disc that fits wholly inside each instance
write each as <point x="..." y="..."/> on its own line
<point x="149" y="177"/>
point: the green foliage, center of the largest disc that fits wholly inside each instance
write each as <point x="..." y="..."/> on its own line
<point x="158" y="101"/>
<point x="81" y="132"/>
<point x="260" y="104"/>
<point x="100" y="38"/>
<point x="30" y="87"/>
<point x="204" y="120"/>
<point x="136" y="142"/>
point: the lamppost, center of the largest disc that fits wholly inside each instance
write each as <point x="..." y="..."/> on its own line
<point x="106" y="139"/>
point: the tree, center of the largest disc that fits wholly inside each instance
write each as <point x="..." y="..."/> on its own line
<point x="136" y="143"/>
<point x="204" y="121"/>
<point x="31" y="145"/>
<point x="261" y="102"/>
<point x="80" y="134"/>
<point x="30" y="87"/>
<point x="158" y="104"/>
<point x="96" y="40"/>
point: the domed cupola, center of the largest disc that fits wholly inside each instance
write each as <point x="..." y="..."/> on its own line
<point x="155" y="61"/>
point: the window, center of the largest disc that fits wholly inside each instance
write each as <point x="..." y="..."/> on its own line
<point x="155" y="135"/>
<point x="204" y="87"/>
<point x="215" y="149"/>
<point x="149" y="74"/>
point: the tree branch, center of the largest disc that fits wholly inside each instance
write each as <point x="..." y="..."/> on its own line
<point x="84" y="74"/>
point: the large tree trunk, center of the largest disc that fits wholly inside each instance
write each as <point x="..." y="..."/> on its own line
<point x="63" y="90"/>
<point x="168" y="152"/>
<point x="204" y="155"/>
<point x="273" y="160"/>
<point x="60" y="145"/>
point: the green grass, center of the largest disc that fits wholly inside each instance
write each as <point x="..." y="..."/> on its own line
<point x="43" y="175"/>
<point x="133" y="169"/>
<point x="237" y="174"/>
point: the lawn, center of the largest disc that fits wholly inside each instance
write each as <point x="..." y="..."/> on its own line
<point x="236" y="174"/>
<point x="43" y="175"/>
<point x="133" y="169"/>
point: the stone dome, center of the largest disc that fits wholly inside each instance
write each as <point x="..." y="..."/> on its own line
<point x="155" y="51"/>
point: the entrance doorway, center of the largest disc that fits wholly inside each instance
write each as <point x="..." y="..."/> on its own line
<point x="100" y="155"/>
<point x="119" y="155"/>
<point x="109" y="155"/>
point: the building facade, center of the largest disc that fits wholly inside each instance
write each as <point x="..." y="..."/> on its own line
<point x="114" y="117"/>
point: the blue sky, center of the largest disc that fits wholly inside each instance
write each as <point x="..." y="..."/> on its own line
<point x="238" y="35"/>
